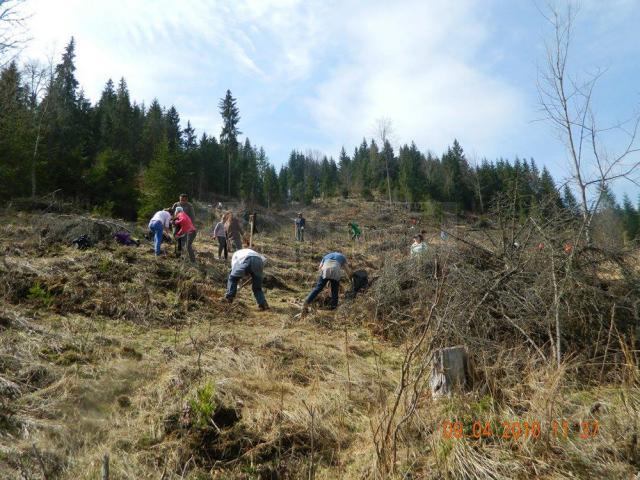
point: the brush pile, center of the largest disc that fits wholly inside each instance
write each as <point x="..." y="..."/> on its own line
<point x="528" y="296"/>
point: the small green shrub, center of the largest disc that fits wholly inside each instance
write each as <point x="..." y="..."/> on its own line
<point x="203" y="406"/>
<point x="39" y="293"/>
<point x="105" y="265"/>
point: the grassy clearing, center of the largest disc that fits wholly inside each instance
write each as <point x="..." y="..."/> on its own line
<point x="112" y="350"/>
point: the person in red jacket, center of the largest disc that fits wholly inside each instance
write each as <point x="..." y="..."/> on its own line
<point x="186" y="233"/>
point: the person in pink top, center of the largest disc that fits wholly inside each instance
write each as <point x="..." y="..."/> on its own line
<point x="186" y="233"/>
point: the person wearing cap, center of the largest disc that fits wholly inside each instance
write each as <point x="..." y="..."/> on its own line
<point x="186" y="232"/>
<point x="183" y="202"/>
<point x="247" y="262"/>
<point x="300" y="224"/>
<point x="159" y="223"/>
<point x="418" y="247"/>
<point x="330" y="268"/>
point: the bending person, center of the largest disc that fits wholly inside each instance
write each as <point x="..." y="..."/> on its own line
<point x="247" y="262"/>
<point x="330" y="267"/>
<point x="159" y="223"/>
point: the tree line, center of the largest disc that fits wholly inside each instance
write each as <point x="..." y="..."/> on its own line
<point x="127" y="159"/>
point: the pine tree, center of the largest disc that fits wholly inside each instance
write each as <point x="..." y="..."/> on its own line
<point x="124" y="129"/>
<point x="105" y="114"/>
<point x="15" y="133"/>
<point x="62" y="150"/>
<point x="172" y="129"/>
<point x="229" y="134"/>
<point x="569" y="201"/>
<point x="272" y="192"/>
<point x="112" y="182"/>
<point x="548" y="196"/>
<point x="412" y="178"/>
<point x="344" y="172"/>
<point x="630" y="218"/>
<point x="158" y="189"/>
<point x="248" y="174"/>
<point x="153" y="132"/>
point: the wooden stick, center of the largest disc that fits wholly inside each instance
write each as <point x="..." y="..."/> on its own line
<point x="105" y="467"/>
<point x="251" y="220"/>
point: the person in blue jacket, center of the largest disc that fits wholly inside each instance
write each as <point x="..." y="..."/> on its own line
<point x="330" y="268"/>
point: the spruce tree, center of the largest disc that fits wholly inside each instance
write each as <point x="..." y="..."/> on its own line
<point x="158" y="189"/>
<point x="15" y="133"/>
<point x="229" y="134"/>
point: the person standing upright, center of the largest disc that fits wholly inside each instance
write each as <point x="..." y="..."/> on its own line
<point x="186" y="232"/>
<point x="234" y="230"/>
<point x="183" y="202"/>
<point x="221" y="235"/>
<point x="300" y="224"/>
<point x="354" y="231"/>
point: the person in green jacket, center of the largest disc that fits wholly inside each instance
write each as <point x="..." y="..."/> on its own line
<point x="354" y="230"/>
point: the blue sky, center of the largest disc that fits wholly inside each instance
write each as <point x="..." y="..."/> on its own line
<point x="312" y="74"/>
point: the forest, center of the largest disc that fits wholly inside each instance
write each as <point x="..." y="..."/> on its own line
<point x="126" y="159"/>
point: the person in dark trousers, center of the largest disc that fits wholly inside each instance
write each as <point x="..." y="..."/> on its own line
<point x="221" y="235"/>
<point x="330" y="267"/>
<point x="355" y="231"/>
<point x="183" y="202"/>
<point x="300" y="224"/>
<point x="186" y="232"/>
<point x="234" y="230"/>
<point x="247" y="262"/>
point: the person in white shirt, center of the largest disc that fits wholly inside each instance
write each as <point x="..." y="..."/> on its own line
<point x="160" y="222"/>
<point x="221" y="235"/>
<point x="247" y="262"/>
<point x="418" y="245"/>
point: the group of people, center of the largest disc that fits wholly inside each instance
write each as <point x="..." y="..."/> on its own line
<point x="247" y="262"/>
<point x="228" y="231"/>
<point x="179" y="219"/>
<point x="180" y="216"/>
<point x="300" y="223"/>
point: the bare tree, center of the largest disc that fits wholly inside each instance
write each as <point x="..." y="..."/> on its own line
<point x="12" y="32"/>
<point x="38" y="78"/>
<point x="384" y="132"/>
<point x="567" y="103"/>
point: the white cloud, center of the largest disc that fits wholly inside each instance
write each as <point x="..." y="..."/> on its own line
<point x="419" y="64"/>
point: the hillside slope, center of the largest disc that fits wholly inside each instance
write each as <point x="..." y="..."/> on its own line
<point x="110" y="350"/>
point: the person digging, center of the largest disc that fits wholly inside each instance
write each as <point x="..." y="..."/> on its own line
<point x="331" y="267"/>
<point x="247" y="262"/>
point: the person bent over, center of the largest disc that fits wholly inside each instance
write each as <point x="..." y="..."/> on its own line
<point x="247" y="262"/>
<point x="330" y="267"/>
<point x="159" y="223"/>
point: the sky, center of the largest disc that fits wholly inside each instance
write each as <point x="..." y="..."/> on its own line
<point x="318" y="74"/>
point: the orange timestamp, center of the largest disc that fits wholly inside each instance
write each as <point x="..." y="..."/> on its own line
<point x="516" y="430"/>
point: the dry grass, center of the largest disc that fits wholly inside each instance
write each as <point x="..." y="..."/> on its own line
<point x="116" y="351"/>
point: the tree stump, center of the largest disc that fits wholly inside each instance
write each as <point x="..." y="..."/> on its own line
<point x="450" y="370"/>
